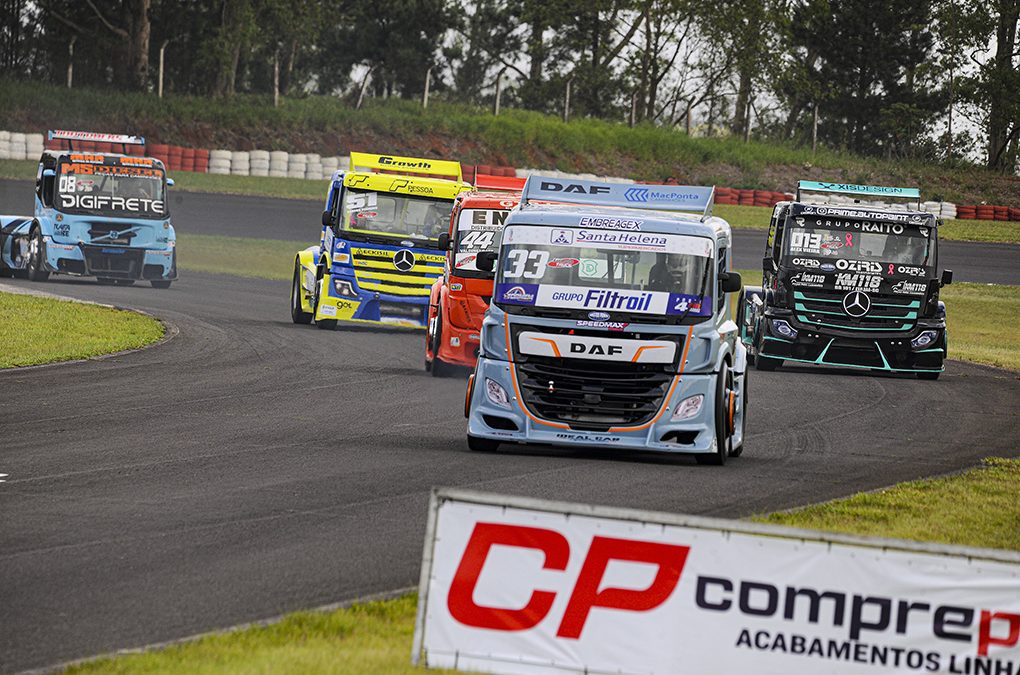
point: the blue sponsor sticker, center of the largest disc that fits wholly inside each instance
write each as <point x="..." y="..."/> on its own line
<point x="112" y="251"/>
<point x="517" y="294"/>
<point x="598" y="316"/>
<point x="692" y="305"/>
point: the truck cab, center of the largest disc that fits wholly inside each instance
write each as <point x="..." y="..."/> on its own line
<point x="850" y="284"/>
<point x="460" y="297"/>
<point x="97" y="214"/>
<point x="610" y="324"/>
<point x="379" y="253"/>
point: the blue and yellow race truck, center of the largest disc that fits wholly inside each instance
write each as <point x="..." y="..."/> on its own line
<point x="610" y="324"/>
<point x="851" y="284"/>
<point x="379" y="252"/>
<point x="100" y="215"/>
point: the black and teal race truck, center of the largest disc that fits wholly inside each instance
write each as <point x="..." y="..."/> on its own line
<point x="850" y="279"/>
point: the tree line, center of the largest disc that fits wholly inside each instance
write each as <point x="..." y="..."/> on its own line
<point x="933" y="80"/>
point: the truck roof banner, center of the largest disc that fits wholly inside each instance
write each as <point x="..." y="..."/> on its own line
<point x="518" y="585"/>
<point x="363" y="161"/>
<point x="691" y="199"/>
<point x="59" y="135"/>
<point x="879" y="191"/>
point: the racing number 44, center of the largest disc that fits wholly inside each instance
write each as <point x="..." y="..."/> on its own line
<point x="587" y="595"/>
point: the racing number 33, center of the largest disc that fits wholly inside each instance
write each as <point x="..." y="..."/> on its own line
<point x="521" y="260"/>
<point x="668" y="559"/>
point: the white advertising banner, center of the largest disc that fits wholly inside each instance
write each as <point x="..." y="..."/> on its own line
<point x="514" y="585"/>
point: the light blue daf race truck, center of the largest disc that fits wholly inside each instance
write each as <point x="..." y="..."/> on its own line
<point x="610" y="324"/>
<point x="852" y="284"/>
<point x="100" y="215"/>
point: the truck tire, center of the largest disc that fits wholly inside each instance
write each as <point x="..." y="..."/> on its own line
<point x="482" y="444"/>
<point x="737" y="450"/>
<point x="440" y="368"/>
<point x="36" y="260"/>
<point x="297" y="313"/>
<point x="723" y="438"/>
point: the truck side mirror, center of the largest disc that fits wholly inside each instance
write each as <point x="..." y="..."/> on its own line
<point x="947" y="278"/>
<point x="169" y="182"/>
<point x="486" y="260"/>
<point x="444" y="241"/>
<point x="49" y="173"/>
<point x="326" y="217"/>
<point x="767" y="264"/>
<point x="730" y="282"/>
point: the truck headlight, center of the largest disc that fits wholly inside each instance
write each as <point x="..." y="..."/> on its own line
<point x="496" y="394"/>
<point x="925" y="338"/>
<point x="688" y="408"/>
<point x="783" y="329"/>
<point x="344" y="288"/>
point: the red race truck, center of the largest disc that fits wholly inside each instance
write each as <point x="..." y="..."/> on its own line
<point x="461" y="296"/>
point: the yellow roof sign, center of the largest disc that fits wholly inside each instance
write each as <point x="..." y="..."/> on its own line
<point x="363" y="161"/>
<point x="409" y="185"/>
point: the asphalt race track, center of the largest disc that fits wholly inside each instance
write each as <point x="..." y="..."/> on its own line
<point x="298" y="221"/>
<point x="250" y="466"/>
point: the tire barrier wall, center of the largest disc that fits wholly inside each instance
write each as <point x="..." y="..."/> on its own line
<point x="311" y="166"/>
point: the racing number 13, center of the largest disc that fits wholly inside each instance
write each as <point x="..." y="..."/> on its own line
<point x="520" y="259"/>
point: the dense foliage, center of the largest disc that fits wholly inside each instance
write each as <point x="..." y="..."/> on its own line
<point x="934" y="80"/>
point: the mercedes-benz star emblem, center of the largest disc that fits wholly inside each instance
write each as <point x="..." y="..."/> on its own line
<point x="856" y="304"/>
<point x="403" y="260"/>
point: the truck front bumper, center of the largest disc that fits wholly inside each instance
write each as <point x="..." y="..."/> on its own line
<point x="513" y="423"/>
<point x="902" y="354"/>
<point x="371" y="307"/>
<point x="114" y="262"/>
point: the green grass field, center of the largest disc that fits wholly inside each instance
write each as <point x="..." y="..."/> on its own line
<point x="35" y="330"/>
<point x="742" y="217"/>
<point x="976" y="508"/>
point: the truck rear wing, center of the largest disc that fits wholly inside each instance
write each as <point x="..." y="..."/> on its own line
<point x="93" y="137"/>
<point x="681" y="198"/>
<point x="484" y="181"/>
<point x="867" y="191"/>
<point x="363" y="161"/>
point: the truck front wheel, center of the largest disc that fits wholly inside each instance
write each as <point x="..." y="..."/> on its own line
<point x="37" y="258"/>
<point x="723" y="412"/>
<point x="482" y="444"/>
<point x="297" y="312"/>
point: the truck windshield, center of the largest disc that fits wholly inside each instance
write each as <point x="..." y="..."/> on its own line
<point x="110" y="190"/>
<point x="477" y="230"/>
<point x="373" y="215"/>
<point x="592" y="271"/>
<point x="836" y="239"/>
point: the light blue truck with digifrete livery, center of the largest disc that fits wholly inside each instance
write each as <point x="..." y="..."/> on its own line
<point x="97" y="214"/>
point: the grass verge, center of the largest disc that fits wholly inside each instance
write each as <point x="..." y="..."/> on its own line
<point x="740" y="217"/>
<point x="35" y="330"/>
<point x="975" y="508"/>
<point x="257" y="258"/>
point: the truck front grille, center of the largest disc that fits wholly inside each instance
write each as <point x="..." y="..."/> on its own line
<point x="592" y="395"/>
<point x="824" y="309"/>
